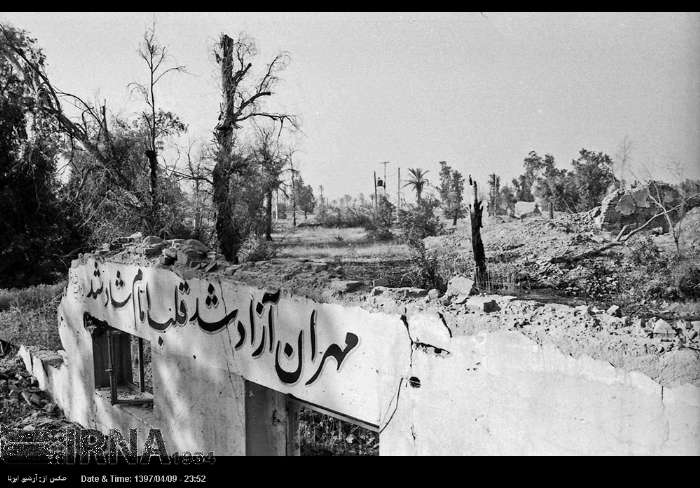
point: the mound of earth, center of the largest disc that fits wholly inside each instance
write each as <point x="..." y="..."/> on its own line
<point x="531" y="254"/>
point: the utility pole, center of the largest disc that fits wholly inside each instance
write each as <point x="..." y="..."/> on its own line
<point x="294" y="196"/>
<point x="375" y="191"/>
<point x="398" y="190"/>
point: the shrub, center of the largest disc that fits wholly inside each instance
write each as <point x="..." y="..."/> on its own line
<point x="379" y="227"/>
<point x="686" y="278"/>
<point x="425" y="268"/>
<point x="28" y="315"/>
<point x="347" y="216"/>
<point x="419" y="221"/>
<point x="643" y="252"/>
<point x="256" y="249"/>
<point x="416" y="223"/>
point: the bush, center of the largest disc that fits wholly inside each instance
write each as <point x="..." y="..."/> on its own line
<point x="379" y="227"/>
<point x="348" y="216"/>
<point x="31" y="297"/>
<point x="643" y="252"/>
<point x="419" y="221"/>
<point x="686" y="278"/>
<point x="29" y="315"/>
<point x="256" y="249"/>
<point x="416" y="223"/>
<point x="425" y="268"/>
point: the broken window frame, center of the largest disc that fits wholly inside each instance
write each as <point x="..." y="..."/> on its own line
<point x="113" y="372"/>
<point x="113" y="363"/>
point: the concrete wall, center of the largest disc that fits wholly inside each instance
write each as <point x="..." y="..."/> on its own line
<point x="207" y="337"/>
<point x="502" y="394"/>
<point x="427" y="386"/>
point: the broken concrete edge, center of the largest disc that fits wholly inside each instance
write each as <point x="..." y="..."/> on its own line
<point x="38" y="361"/>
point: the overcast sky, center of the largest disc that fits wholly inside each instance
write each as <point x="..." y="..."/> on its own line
<point x="477" y="90"/>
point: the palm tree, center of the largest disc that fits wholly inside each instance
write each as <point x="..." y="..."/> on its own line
<point x="417" y="181"/>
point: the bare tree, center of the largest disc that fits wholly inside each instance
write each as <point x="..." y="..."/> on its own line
<point x="241" y="100"/>
<point x="269" y="154"/>
<point x="89" y="129"/>
<point x="623" y="157"/>
<point x="673" y="204"/>
<point x="294" y="173"/>
<point x="157" y="123"/>
<point x="476" y="210"/>
<point x="198" y="173"/>
<point x="494" y="203"/>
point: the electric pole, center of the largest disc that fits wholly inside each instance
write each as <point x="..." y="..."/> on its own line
<point x="398" y="190"/>
<point x="375" y="190"/>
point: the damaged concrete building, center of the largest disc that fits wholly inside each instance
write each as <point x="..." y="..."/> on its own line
<point x="460" y="374"/>
<point x="634" y="207"/>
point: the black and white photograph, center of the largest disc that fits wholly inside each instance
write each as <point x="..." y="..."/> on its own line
<point x="345" y="234"/>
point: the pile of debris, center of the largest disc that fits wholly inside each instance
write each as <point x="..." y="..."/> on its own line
<point x="667" y="350"/>
<point x="184" y="252"/>
<point x="319" y="279"/>
<point x="24" y="405"/>
<point x="636" y="206"/>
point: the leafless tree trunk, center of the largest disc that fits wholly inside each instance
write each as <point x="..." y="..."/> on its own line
<point x="623" y="157"/>
<point x="269" y="155"/>
<point x="91" y="132"/>
<point x="294" y="198"/>
<point x="268" y="215"/>
<point x="154" y="55"/>
<point x="475" y="213"/>
<point x="675" y="228"/>
<point x="234" y="55"/>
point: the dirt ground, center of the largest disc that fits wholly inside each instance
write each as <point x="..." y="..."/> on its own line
<point x="519" y="255"/>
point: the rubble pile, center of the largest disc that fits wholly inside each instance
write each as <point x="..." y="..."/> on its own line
<point x="24" y="405"/>
<point x="668" y="351"/>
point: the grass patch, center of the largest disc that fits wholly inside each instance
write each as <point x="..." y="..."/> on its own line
<point x="349" y="243"/>
<point x="28" y="315"/>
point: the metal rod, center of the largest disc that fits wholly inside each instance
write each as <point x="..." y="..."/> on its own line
<point x="110" y="369"/>
<point x="142" y="374"/>
<point x="398" y="191"/>
<point x="375" y="191"/>
<point x="332" y="413"/>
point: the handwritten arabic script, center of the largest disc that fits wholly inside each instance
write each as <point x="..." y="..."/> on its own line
<point x="258" y="335"/>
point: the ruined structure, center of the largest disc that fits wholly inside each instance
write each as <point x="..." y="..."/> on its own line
<point x="635" y="206"/>
<point x="457" y="375"/>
